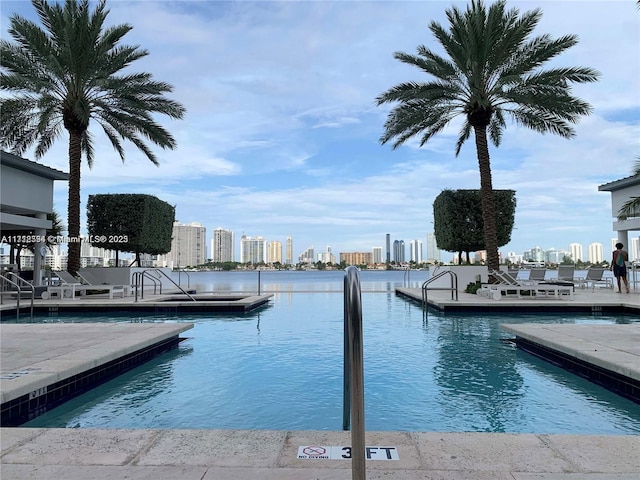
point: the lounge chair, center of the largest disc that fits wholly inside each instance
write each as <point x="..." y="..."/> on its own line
<point x="69" y="285"/>
<point x="92" y="280"/>
<point x="566" y="273"/>
<point x="537" y="274"/>
<point x="595" y="277"/>
<point x="509" y="285"/>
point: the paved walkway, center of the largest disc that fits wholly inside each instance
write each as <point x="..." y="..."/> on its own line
<point x="81" y="454"/>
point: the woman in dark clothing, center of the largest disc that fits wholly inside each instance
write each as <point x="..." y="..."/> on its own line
<point x="619" y="266"/>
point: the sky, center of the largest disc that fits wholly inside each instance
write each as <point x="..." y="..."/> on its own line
<point x="281" y="135"/>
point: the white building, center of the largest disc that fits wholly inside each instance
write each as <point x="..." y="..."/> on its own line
<point x="253" y="249"/>
<point x="575" y="251"/>
<point x="596" y="254"/>
<point x="377" y="255"/>
<point x="308" y="256"/>
<point x="634" y="249"/>
<point x="222" y="243"/>
<point x="188" y="245"/>
<point x="433" y="252"/>
<point x="327" y="257"/>
<point x="415" y="247"/>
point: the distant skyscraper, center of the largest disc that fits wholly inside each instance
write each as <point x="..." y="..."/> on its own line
<point x="634" y="249"/>
<point x="595" y="253"/>
<point x="433" y="252"/>
<point x="575" y="249"/>
<point x="308" y="256"/>
<point x="288" y="259"/>
<point x="415" y="246"/>
<point x="388" y="248"/>
<point x="327" y="257"/>
<point x="275" y="252"/>
<point x="222" y="246"/>
<point x="398" y="251"/>
<point x="356" y="258"/>
<point x="188" y="245"/>
<point x="253" y="250"/>
<point x="377" y="254"/>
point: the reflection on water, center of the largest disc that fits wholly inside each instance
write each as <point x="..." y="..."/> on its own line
<point x="281" y="368"/>
<point x="477" y="373"/>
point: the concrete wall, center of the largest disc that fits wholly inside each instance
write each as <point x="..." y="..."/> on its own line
<point x="24" y="191"/>
<point x="124" y="275"/>
<point x="466" y="274"/>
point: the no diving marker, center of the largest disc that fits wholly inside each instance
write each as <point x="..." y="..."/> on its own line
<point x="310" y="452"/>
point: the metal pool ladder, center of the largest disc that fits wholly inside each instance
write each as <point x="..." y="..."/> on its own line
<point x="453" y="288"/>
<point x="19" y="282"/>
<point x="354" y="372"/>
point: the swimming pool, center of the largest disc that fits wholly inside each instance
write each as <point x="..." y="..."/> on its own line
<point x="280" y="367"/>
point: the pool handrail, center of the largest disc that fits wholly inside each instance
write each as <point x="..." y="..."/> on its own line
<point x="453" y="288"/>
<point x="19" y="281"/>
<point x="158" y="270"/>
<point x="354" y="372"/>
<point x="138" y="278"/>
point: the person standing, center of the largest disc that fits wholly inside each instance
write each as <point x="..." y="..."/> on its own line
<point x="619" y="266"/>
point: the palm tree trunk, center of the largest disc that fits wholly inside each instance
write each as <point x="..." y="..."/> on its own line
<point x="488" y="203"/>
<point x="75" y="158"/>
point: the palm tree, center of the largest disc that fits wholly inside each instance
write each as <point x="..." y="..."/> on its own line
<point x="492" y="72"/>
<point x="69" y="73"/>
<point x="631" y="208"/>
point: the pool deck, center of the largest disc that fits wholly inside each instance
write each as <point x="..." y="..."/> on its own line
<point x="151" y="454"/>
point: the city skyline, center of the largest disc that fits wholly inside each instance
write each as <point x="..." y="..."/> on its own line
<point x="281" y="136"/>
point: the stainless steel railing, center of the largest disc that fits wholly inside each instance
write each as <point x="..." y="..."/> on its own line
<point x="453" y="286"/>
<point x="354" y="372"/>
<point x="19" y="281"/>
<point x="138" y="278"/>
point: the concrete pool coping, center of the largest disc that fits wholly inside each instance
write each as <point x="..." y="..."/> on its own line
<point x="103" y="454"/>
<point x="42" y="365"/>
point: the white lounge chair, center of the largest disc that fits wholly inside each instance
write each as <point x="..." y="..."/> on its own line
<point x="90" y="279"/>
<point x="69" y="285"/>
<point x="509" y="285"/>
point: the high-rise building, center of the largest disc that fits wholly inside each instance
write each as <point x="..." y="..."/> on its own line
<point x="275" y="252"/>
<point x="398" y="251"/>
<point x="415" y="247"/>
<point x="308" y="256"/>
<point x="377" y="255"/>
<point x="553" y="255"/>
<point x="433" y="252"/>
<point x="288" y="259"/>
<point x="222" y="246"/>
<point x="596" y="254"/>
<point x="253" y="250"/>
<point x="327" y="257"/>
<point x="188" y="245"/>
<point x="356" y="258"/>
<point x="575" y="250"/>
<point x="534" y="255"/>
<point x="634" y="249"/>
<point x="388" y="248"/>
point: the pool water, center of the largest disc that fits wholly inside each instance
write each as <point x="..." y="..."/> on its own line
<point x="281" y="368"/>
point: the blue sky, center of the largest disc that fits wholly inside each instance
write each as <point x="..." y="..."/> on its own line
<point x="281" y="132"/>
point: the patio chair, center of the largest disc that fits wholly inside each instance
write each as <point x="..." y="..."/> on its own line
<point x="595" y="277"/>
